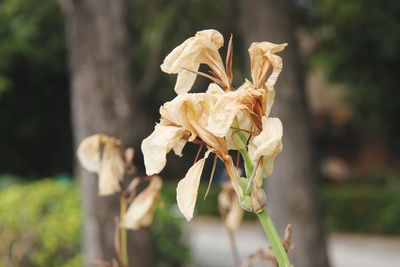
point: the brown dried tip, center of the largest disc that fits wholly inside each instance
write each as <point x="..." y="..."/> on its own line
<point x="229" y="59"/>
<point x="287" y="243"/>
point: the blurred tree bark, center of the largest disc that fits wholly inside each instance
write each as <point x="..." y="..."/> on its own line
<point x="292" y="191"/>
<point x="102" y="102"/>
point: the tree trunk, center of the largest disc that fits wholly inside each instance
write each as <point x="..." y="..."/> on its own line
<point x="102" y="102"/>
<point x="292" y="191"/>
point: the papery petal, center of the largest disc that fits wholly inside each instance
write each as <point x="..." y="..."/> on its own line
<point x="200" y="49"/>
<point x="224" y="111"/>
<point x="269" y="99"/>
<point x="187" y="189"/>
<point x="261" y="58"/>
<point x="268" y="141"/>
<point x="156" y="147"/>
<point x="214" y="89"/>
<point x="141" y="211"/>
<point x="276" y="62"/>
<point x="112" y="170"/>
<point x="178" y="147"/>
<point x="89" y="153"/>
<point x="186" y="79"/>
<point x="266" y="146"/>
<point x="245" y="125"/>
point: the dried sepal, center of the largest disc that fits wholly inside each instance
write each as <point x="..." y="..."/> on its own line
<point x="141" y="211"/>
<point x="187" y="189"/>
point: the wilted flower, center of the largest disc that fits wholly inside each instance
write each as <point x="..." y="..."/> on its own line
<point x="141" y="211"/>
<point x="221" y="118"/>
<point x="101" y="154"/>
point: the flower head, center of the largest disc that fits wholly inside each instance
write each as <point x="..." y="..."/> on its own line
<point x="221" y="118"/>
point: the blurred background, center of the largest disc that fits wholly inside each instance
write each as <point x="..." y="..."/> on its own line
<point x="72" y="68"/>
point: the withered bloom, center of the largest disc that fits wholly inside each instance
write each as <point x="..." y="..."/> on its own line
<point x="221" y="118"/>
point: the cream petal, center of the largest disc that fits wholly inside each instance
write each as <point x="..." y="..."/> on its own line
<point x="269" y="99"/>
<point x="266" y="146"/>
<point x="224" y="111"/>
<point x="214" y="89"/>
<point x="89" y="153"/>
<point x="178" y="147"/>
<point x="186" y="79"/>
<point x="111" y="171"/>
<point x="268" y="140"/>
<point x="141" y="211"/>
<point x="200" y="49"/>
<point x="156" y="147"/>
<point x="277" y="65"/>
<point x="187" y="189"/>
<point x="245" y="124"/>
<point x="261" y="58"/>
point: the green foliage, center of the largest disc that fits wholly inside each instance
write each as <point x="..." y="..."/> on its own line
<point x="40" y="225"/>
<point x="34" y="95"/>
<point x="168" y="237"/>
<point x="361" y="49"/>
<point x="362" y="209"/>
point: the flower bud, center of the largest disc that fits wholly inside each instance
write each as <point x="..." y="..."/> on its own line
<point x="258" y="200"/>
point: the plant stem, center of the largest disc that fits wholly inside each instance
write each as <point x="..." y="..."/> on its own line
<point x="274" y="239"/>
<point x="123" y="239"/>
<point x="248" y="165"/>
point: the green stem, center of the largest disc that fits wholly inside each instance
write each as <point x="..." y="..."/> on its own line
<point x="248" y="165"/>
<point x="123" y="240"/>
<point x="274" y="239"/>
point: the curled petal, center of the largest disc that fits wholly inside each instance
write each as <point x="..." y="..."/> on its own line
<point x="89" y="153"/>
<point x="156" y="147"/>
<point x="141" y="211"/>
<point x="266" y="146"/>
<point x="262" y="56"/>
<point x="102" y="154"/>
<point x="186" y="191"/>
<point x="200" y="49"/>
<point x="227" y="107"/>
<point x="112" y="170"/>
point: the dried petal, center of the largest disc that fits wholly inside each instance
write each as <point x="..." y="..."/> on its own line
<point x="89" y="153"/>
<point x="200" y="49"/>
<point x="266" y="146"/>
<point x="141" y="211"/>
<point x="186" y="191"/>
<point x="262" y="56"/>
<point x="112" y="170"/>
<point x="156" y="147"/>
<point x="102" y="154"/>
<point x="224" y="111"/>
